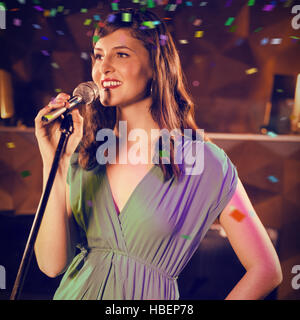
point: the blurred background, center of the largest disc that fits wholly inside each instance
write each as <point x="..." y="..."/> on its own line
<point x="242" y="66"/>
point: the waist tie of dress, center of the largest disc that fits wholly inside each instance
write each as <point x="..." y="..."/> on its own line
<point x="85" y="250"/>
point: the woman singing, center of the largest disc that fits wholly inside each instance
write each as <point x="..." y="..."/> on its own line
<point x="137" y="225"/>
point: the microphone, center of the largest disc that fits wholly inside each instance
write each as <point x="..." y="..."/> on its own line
<point x="85" y="92"/>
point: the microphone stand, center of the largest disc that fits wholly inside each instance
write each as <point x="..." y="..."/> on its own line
<point x="66" y="129"/>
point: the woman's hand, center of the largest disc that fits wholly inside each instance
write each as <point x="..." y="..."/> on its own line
<point x="48" y="134"/>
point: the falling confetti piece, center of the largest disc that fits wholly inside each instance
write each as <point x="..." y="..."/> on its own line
<point x="149" y="24"/>
<point x="164" y="153"/>
<point x="183" y="41"/>
<point x="45" y="53"/>
<point x="36" y="26"/>
<point x="83" y="10"/>
<point x="273" y="179"/>
<point x="268" y="7"/>
<point x="46" y="13"/>
<point x="237" y="215"/>
<point x="251" y="71"/>
<point x="61" y="33"/>
<point x="114" y="6"/>
<point x="185" y="236"/>
<point x="55" y="65"/>
<point x="198" y="34"/>
<point x="57" y="91"/>
<point x="44" y="38"/>
<point x="38" y="8"/>
<point x="251" y="3"/>
<point x="202" y="4"/>
<point x="17" y="22"/>
<point x="150" y="4"/>
<point x="95" y="39"/>
<point x="271" y="134"/>
<point x="10" y="145"/>
<point x="84" y="55"/>
<point x="276" y="41"/>
<point x="258" y="29"/>
<point x="111" y="18"/>
<point x="52" y="12"/>
<point x="126" y="17"/>
<point x="60" y="8"/>
<point x="97" y="17"/>
<point x="196" y="83"/>
<point x="197" y="22"/>
<point x="25" y="173"/>
<point x="189" y="3"/>
<point x="229" y="21"/>
<point x="87" y="22"/>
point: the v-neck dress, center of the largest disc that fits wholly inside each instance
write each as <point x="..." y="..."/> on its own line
<point x="139" y="253"/>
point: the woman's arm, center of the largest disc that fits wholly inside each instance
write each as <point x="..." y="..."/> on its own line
<point x="252" y="246"/>
<point x="57" y="237"/>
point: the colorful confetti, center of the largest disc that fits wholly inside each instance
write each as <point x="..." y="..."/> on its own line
<point x="268" y="7"/>
<point x="272" y="179"/>
<point x="55" y="65"/>
<point x="229" y="21"/>
<point x="185" y="236"/>
<point x="17" y="22"/>
<point x="25" y="173"/>
<point x="197" y="22"/>
<point x="276" y="41"/>
<point x="199" y="34"/>
<point x="87" y="22"/>
<point x="237" y="215"/>
<point x="126" y="17"/>
<point x="251" y="70"/>
<point x="10" y="145"/>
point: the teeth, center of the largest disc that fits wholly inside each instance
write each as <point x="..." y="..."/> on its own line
<point x="111" y="83"/>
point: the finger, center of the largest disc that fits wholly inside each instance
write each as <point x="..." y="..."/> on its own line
<point x="63" y="96"/>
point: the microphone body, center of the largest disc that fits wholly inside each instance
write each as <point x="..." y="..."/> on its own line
<point x="85" y="92"/>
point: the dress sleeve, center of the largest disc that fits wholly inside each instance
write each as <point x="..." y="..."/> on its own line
<point x="225" y="189"/>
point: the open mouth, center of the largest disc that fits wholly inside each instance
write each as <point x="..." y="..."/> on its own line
<point x="111" y="84"/>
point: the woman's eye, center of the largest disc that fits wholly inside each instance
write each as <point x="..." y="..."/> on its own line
<point x="121" y="53"/>
<point x="99" y="56"/>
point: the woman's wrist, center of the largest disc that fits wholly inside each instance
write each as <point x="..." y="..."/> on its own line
<point x="63" y="163"/>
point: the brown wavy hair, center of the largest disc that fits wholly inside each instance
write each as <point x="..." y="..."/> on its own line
<point x="172" y="107"/>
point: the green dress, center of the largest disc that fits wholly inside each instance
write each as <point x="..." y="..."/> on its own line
<point x="139" y="253"/>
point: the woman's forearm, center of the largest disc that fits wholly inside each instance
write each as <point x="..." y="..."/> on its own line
<point x="255" y="285"/>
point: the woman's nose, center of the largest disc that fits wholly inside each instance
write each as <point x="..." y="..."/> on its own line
<point x="106" y="66"/>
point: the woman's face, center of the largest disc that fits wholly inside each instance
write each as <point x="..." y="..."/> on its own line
<point x="120" y="57"/>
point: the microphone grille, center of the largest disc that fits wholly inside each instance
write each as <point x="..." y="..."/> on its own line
<point x="88" y="91"/>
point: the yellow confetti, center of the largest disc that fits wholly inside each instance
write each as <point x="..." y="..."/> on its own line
<point x="251" y="71"/>
<point x="198" y="34"/>
<point x="10" y="145"/>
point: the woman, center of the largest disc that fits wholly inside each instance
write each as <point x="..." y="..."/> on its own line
<point x="138" y="225"/>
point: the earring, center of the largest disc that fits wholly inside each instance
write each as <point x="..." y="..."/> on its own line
<point x="151" y="90"/>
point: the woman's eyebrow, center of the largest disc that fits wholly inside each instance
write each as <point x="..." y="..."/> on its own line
<point x="117" y="47"/>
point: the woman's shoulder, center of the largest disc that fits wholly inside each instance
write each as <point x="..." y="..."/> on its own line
<point x="205" y="157"/>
